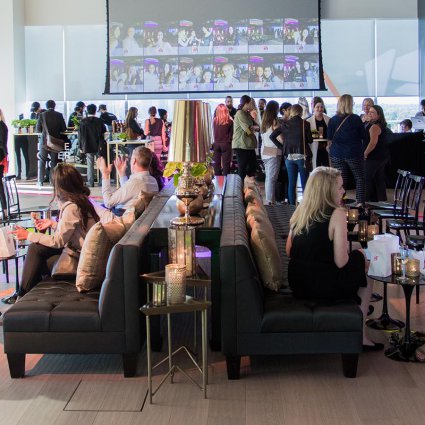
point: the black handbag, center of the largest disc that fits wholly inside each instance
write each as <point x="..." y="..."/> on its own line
<point x="308" y="160"/>
<point x="54" y="144"/>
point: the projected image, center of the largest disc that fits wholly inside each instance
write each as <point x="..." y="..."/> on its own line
<point x="195" y="39"/>
<point x="159" y="39"/>
<point x="301" y="71"/>
<point x="196" y="74"/>
<point x="265" y="36"/>
<point x="230" y="36"/>
<point x="132" y="42"/>
<point x="266" y="72"/>
<point x="301" y="36"/>
<point x="160" y="74"/>
<point x="126" y="75"/>
<point x="231" y="73"/>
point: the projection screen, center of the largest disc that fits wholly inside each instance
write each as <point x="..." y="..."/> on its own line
<point x="180" y="46"/>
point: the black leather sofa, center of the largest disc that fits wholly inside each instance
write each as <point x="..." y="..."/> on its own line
<point x="257" y="321"/>
<point x="55" y="318"/>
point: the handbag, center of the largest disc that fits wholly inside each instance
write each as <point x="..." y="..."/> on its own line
<point x="65" y="267"/>
<point x="308" y="160"/>
<point x="271" y="151"/>
<point x="53" y="144"/>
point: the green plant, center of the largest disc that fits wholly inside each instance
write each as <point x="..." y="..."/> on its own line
<point x="28" y="123"/>
<point x="175" y="169"/>
<point x="16" y="123"/>
<point x="122" y="136"/>
<point x="76" y="121"/>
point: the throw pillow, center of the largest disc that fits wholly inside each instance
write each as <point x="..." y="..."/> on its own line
<point x="255" y="213"/>
<point x="95" y="253"/>
<point x="266" y="254"/>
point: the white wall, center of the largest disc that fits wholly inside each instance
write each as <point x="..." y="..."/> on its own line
<point x="93" y="12"/>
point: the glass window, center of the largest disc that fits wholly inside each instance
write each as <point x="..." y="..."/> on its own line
<point x="397" y="109"/>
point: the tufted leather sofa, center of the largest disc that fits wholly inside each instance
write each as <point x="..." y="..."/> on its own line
<point x="55" y="318"/>
<point x="257" y="321"/>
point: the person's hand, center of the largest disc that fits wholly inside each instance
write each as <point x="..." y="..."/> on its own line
<point x="20" y="233"/>
<point x="103" y="168"/>
<point x="164" y="148"/>
<point x="43" y="224"/>
<point x="121" y="165"/>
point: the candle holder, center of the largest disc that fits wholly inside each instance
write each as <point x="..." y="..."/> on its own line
<point x="159" y="294"/>
<point x="362" y="226"/>
<point x="412" y="267"/>
<point x="181" y="247"/>
<point x="175" y="278"/>
<point x="396" y="264"/>
<point x="372" y="230"/>
<point x="352" y="215"/>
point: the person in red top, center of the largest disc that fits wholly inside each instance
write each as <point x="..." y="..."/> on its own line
<point x="223" y="132"/>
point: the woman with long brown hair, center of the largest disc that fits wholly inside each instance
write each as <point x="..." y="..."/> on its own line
<point x="223" y="132"/>
<point x="77" y="214"/>
<point x="132" y="128"/>
<point x="155" y="128"/>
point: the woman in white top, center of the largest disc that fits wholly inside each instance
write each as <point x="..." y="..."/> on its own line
<point x="76" y="216"/>
<point x="270" y="153"/>
<point x="319" y="121"/>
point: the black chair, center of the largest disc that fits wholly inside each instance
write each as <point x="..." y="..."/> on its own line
<point x="399" y="207"/>
<point x="410" y="220"/>
<point x="399" y="193"/>
<point x="14" y="211"/>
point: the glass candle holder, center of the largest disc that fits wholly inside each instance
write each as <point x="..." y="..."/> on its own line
<point x="396" y="264"/>
<point x="159" y="294"/>
<point x="175" y="278"/>
<point x="362" y="232"/>
<point x="181" y="247"/>
<point x="372" y="230"/>
<point x="353" y="215"/>
<point x="412" y="267"/>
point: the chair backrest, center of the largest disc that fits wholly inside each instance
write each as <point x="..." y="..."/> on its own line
<point x="12" y="196"/>
<point x="401" y="188"/>
<point x="416" y="185"/>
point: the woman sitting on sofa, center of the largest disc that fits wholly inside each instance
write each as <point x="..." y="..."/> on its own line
<point x="76" y="216"/>
<point x="317" y="242"/>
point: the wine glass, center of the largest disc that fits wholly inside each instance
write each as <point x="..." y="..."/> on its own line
<point x="13" y="228"/>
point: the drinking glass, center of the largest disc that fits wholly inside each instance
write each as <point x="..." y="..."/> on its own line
<point x="404" y="254"/>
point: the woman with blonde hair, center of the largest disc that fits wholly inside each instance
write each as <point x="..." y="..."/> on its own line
<point x="318" y="241"/>
<point x="346" y="133"/>
<point x="222" y="148"/>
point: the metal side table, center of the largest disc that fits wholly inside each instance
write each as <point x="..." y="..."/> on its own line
<point x="191" y="304"/>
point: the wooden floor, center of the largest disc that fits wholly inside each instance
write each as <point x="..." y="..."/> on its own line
<point x="295" y="390"/>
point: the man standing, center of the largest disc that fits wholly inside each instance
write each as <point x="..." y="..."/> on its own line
<point x="53" y="123"/>
<point x="106" y="116"/>
<point x="140" y="179"/>
<point x="262" y="106"/>
<point x="91" y="140"/>
<point x="230" y="107"/>
<point x="78" y="113"/>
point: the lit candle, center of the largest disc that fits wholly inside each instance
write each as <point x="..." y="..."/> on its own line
<point x="353" y="215"/>
<point x="175" y="278"/>
<point x="412" y="267"/>
<point x="362" y="230"/>
<point x="372" y="230"/>
<point x="396" y="264"/>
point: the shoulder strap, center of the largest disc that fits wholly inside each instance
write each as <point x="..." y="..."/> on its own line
<point x="343" y="121"/>
<point x="303" y="126"/>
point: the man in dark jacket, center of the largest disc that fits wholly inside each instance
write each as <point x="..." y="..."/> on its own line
<point x="106" y="117"/>
<point x="91" y="140"/>
<point x="53" y="123"/>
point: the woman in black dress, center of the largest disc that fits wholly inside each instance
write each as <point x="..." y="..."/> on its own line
<point x="320" y="266"/>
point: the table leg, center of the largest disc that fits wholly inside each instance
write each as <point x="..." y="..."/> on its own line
<point x="149" y="353"/>
<point x="385" y="322"/>
<point x="170" y="351"/>
<point x="204" y="352"/>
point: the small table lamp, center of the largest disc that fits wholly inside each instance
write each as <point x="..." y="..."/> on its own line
<point x="190" y="142"/>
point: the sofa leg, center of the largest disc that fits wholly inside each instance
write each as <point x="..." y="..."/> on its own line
<point x="129" y="362"/>
<point x="349" y="364"/>
<point x="16" y="364"/>
<point x="233" y="367"/>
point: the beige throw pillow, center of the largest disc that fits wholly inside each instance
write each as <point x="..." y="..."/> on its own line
<point x="254" y="213"/>
<point x="95" y="253"/>
<point x="264" y="248"/>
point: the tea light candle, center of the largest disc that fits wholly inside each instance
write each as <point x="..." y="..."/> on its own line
<point x="353" y="215"/>
<point x="412" y="267"/>
<point x="372" y="230"/>
<point x="175" y="278"/>
<point x="362" y="230"/>
<point x="396" y="264"/>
